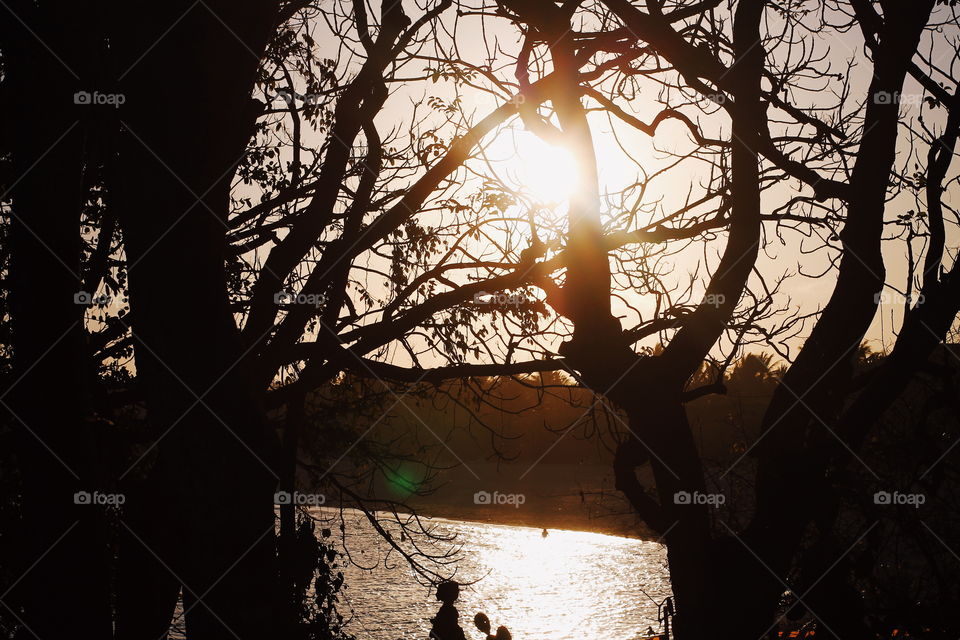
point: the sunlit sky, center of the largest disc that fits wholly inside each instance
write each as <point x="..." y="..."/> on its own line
<point x="549" y="175"/>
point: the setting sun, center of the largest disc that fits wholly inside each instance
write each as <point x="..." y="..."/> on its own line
<point x="545" y="172"/>
<point x="495" y="320"/>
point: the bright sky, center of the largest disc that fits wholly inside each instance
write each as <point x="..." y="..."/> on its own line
<point x="521" y="161"/>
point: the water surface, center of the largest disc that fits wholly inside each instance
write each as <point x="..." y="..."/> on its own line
<point x="570" y="584"/>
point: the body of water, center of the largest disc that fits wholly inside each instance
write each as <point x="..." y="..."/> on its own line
<point x="569" y="584"/>
<point x="565" y="586"/>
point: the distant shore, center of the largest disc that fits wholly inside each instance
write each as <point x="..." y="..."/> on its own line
<point x="608" y="525"/>
<point x="557" y="496"/>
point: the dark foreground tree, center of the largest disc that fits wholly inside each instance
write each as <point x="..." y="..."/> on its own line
<point x="166" y="161"/>
<point x="743" y="58"/>
<point x="747" y="67"/>
<point x="366" y="234"/>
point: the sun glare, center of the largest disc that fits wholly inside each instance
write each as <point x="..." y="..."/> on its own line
<point x="545" y="172"/>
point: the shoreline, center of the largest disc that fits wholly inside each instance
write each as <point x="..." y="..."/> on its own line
<point x="550" y="522"/>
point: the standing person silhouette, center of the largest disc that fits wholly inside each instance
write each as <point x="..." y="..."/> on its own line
<point x="446" y="624"/>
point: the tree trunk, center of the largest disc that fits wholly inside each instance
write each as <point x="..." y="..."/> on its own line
<point x="62" y="542"/>
<point x="720" y="589"/>
<point x="792" y="485"/>
<point x="287" y="548"/>
<point x="187" y="121"/>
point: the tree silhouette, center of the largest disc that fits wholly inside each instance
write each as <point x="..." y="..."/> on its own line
<point x="309" y="189"/>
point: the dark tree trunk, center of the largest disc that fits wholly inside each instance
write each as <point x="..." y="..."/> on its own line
<point x="701" y="563"/>
<point x="796" y="446"/>
<point x="187" y="120"/>
<point x="287" y="548"/>
<point x="61" y="583"/>
<point x="719" y="587"/>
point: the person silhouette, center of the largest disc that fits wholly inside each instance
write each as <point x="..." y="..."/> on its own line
<point x="482" y="623"/>
<point x="446" y="624"/>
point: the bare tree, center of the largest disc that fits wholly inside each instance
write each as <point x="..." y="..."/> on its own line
<point x="353" y="216"/>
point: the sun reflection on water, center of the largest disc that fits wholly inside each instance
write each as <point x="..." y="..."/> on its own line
<point x="567" y="585"/>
